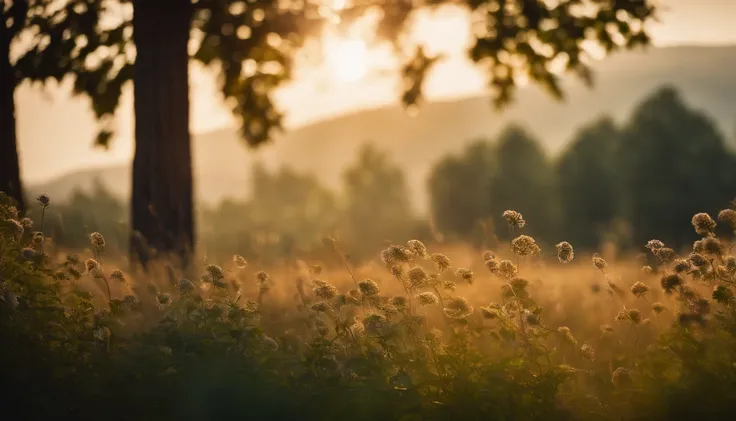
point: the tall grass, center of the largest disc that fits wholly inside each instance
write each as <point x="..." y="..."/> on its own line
<point x="519" y="333"/>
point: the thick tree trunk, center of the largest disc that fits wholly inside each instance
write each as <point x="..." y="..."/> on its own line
<point x="9" y="165"/>
<point x="162" y="197"/>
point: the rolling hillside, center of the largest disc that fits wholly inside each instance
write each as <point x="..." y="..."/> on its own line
<point x="703" y="74"/>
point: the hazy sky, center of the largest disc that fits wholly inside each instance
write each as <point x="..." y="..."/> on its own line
<point x="56" y="134"/>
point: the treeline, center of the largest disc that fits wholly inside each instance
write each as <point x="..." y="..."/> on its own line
<point x="624" y="184"/>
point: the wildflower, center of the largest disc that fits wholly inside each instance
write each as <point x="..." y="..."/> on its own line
<point x="262" y="277"/>
<point x="374" y="324"/>
<point x="621" y="377"/>
<point x="465" y="274"/>
<point x="728" y="217"/>
<point x="712" y="246"/>
<point x="417" y="277"/>
<point x="722" y="294"/>
<point x="397" y="270"/>
<point x="634" y="315"/>
<point x="117" y="275"/>
<point x="74" y="272"/>
<point x="163" y="298"/>
<point x="240" y="261"/>
<point x="565" y="253"/>
<point x="321" y="306"/>
<point x="700" y="306"/>
<point x="566" y="334"/>
<point x="441" y="261"/>
<point x="399" y="302"/>
<point x="514" y="219"/>
<point x="131" y="302"/>
<point x="29" y="254"/>
<point x="427" y="298"/>
<point x="507" y="269"/>
<point x="15" y="227"/>
<point x="665" y="254"/>
<point x="658" y="308"/>
<point x="44" y="200"/>
<point x="396" y="254"/>
<point x="525" y="245"/>
<point x="214" y="273"/>
<point x="185" y="286"/>
<point x="670" y="282"/>
<point x="647" y="270"/>
<point x="587" y="352"/>
<point x="599" y="262"/>
<point x="449" y="285"/>
<point x="682" y="266"/>
<point x="492" y="265"/>
<point x="325" y="291"/>
<point x="488" y="255"/>
<point x="37" y="238"/>
<point x="458" y="308"/>
<point x="490" y="312"/>
<point x="697" y="259"/>
<point x="730" y="264"/>
<point x="639" y="289"/>
<point x="368" y="287"/>
<point x="654" y="245"/>
<point x="91" y="264"/>
<point x="703" y="224"/>
<point x="26" y="223"/>
<point x="97" y="240"/>
<point x="417" y="248"/>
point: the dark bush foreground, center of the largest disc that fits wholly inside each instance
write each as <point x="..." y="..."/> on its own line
<point x="652" y="344"/>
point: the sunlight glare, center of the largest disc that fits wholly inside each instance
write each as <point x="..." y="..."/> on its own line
<point x="347" y="59"/>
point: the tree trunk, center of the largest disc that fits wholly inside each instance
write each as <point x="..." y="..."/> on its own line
<point x="9" y="165"/>
<point x="162" y="196"/>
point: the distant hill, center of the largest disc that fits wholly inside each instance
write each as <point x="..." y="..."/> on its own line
<point x="703" y="74"/>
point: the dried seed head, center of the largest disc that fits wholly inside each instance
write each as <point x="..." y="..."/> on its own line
<point x="722" y="294"/>
<point x="682" y="266"/>
<point x="565" y="252"/>
<point x="325" y="291"/>
<point x="712" y="246"/>
<point x="658" y="308"/>
<point x="488" y="255"/>
<point x="458" y="308"/>
<point x="214" y="273"/>
<point x="417" y="248"/>
<point x="599" y="262"/>
<point x="507" y="269"/>
<point x="492" y="265"/>
<point x="566" y="335"/>
<point x="697" y="259"/>
<point x="117" y="275"/>
<point x="240" y="261"/>
<point x="262" y="277"/>
<point x="427" y="298"/>
<point x="441" y="261"/>
<point x="647" y="270"/>
<point x="185" y="286"/>
<point x="514" y="218"/>
<point x="525" y="245"/>
<point x="639" y="289"/>
<point x="465" y="274"/>
<point x="730" y="264"/>
<point x="44" y="200"/>
<point x="395" y="254"/>
<point x="368" y="287"/>
<point x="654" y="245"/>
<point x="728" y="217"/>
<point x="670" y="282"/>
<point x="665" y="254"/>
<point x="321" y="307"/>
<point x="91" y="264"/>
<point x="703" y="224"/>
<point x="417" y="277"/>
<point x="587" y="352"/>
<point x="621" y="377"/>
<point x="37" y="238"/>
<point x="97" y="240"/>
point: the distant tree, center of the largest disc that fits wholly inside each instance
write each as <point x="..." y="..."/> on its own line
<point x="588" y="177"/>
<point x="460" y="189"/>
<point x="377" y="205"/>
<point x="674" y="163"/>
<point x="525" y="182"/>
<point x="254" y="44"/>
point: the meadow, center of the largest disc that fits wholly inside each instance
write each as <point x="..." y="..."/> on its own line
<point x="417" y="333"/>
